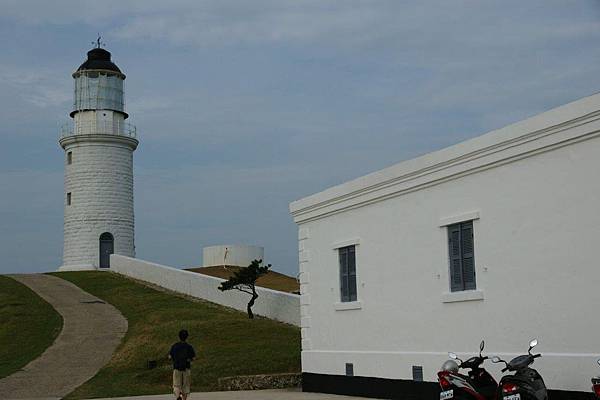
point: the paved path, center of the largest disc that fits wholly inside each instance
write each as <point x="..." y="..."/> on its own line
<point x="91" y="332"/>
<point x="281" y="394"/>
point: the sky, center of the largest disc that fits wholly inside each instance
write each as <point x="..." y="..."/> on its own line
<point x="243" y="107"/>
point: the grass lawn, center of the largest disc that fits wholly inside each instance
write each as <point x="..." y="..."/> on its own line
<point x="272" y="280"/>
<point x="227" y="343"/>
<point x="28" y="325"/>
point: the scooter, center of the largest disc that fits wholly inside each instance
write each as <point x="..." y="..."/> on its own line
<point x="477" y="385"/>
<point x="526" y="383"/>
<point x="596" y="384"/>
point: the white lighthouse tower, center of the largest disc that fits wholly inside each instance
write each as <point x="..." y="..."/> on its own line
<point x="99" y="148"/>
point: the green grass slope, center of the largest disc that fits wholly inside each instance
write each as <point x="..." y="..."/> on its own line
<point x="226" y="341"/>
<point x="28" y="325"/>
<point x="272" y="280"/>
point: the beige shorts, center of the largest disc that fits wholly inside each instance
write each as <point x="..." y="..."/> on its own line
<point x="182" y="381"/>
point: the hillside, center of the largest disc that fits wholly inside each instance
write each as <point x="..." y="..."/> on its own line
<point x="226" y="341"/>
<point x="272" y="280"/>
<point x="29" y="325"/>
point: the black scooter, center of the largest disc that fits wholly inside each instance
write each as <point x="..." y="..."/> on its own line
<point x="526" y="383"/>
<point x="596" y="384"/>
<point x="477" y="385"/>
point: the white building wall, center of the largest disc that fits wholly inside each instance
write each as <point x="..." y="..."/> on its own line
<point x="272" y="304"/>
<point x="100" y="180"/>
<point x="536" y="234"/>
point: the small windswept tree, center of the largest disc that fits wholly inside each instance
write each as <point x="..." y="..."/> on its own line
<point x="244" y="280"/>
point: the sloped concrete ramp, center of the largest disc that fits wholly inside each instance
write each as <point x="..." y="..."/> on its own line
<point x="91" y="332"/>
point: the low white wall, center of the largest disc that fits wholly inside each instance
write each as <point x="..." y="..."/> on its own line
<point x="272" y="304"/>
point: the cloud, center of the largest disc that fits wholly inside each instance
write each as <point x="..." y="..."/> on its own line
<point x="58" y="12"/>
<point x="243" y="106"/>
<point x="38" y="86"/>
<point x="30" y="209"/>
<point x="149" y="104"/>
<point x="211" y="23"/>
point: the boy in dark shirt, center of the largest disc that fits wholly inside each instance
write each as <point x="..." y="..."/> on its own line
<point x="182" y="355"/>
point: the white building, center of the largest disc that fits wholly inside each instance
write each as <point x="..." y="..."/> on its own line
<point x="99" y="148"/>
<point x="387" y="283"/>
<point x="239" y="255"/>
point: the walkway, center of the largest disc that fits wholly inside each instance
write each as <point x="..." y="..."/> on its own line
<point x="91" y="332"/>
<point x="281" y="394"/>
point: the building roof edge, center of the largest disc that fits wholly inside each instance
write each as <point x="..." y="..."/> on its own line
<point x="556" y="117"/>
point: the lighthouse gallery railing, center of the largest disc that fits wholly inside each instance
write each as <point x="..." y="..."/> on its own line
<point x="98" y="128"/>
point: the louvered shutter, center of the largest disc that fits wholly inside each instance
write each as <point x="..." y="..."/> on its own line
<point x="351" y="273"/>
<point x="343" y="254"/>
<point x="456" y="276"/>
<point x="468" y="255"/>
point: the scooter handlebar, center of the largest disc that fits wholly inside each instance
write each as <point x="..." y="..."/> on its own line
<point x="537" y="355"/>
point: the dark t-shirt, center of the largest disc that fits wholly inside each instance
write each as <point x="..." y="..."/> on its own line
<point x="181" y="354"/>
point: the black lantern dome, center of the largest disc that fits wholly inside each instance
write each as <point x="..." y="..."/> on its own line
<point x="99" y="58"/>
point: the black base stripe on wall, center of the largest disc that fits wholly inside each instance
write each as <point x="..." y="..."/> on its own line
<point x="381" y="388"/>
<point x="370" y="387"/>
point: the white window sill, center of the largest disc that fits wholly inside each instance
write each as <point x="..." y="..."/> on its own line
<point x="465" y="295"/>
<point x="350" y="305"/>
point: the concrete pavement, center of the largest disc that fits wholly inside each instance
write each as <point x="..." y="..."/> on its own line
<point x="91" y="332"/>
<point x="276" y="394"/>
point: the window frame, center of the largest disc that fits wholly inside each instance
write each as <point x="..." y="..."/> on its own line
<point x="69" y="157"/>
<point x="69" y="198"/>
<point x="465" y="259"/>
<point x="347" y="273"/>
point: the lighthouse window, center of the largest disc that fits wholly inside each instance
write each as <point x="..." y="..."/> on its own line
<point x="69" y="198"/>
<point x="70" y="157"/>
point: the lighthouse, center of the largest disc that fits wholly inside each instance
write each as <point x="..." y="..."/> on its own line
<point x="98" y="146"/>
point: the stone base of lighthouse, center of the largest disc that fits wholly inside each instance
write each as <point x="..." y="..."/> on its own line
<point x="83" y="267"/>
<point x="88" y="245"/>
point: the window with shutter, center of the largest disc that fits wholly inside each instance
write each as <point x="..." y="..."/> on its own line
<point x="462" y="256"/>
<point x="347" y="257"/>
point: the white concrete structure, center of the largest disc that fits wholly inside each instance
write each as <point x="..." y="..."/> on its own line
<point x="532" y="193"/>
<point x="235" y="255"/>
<point x="98" y="149"/>
<point x="272" y="304"/>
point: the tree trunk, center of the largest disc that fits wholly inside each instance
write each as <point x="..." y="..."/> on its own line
<point x="251" y="303"/>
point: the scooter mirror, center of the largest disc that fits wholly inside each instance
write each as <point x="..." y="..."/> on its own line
<point x="481" y="345"/>
<point x="496" y="359"/>
<point x="533" y="343"/>
<point x="452" y="356"/>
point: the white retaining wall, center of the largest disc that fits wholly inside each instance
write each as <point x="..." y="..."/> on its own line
<point x="284" y="307"/>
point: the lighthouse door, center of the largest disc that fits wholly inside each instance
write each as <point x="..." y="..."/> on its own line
<point x="107" y="247"/>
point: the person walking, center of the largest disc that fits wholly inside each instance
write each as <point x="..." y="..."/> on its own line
<point x="182" y="354"/>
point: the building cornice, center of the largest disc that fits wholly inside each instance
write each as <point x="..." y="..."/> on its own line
<point x="559" y="127"/>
